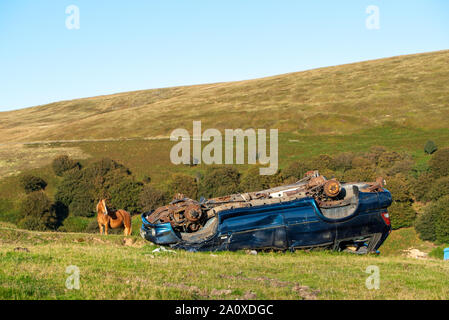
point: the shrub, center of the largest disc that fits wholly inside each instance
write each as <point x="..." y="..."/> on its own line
<point x="439" y="163"/>
<point x="322" y="162"/>
<point x="422" y="185"/>
<point x="82" y="205"/>
<point x="388" y="159"/>
<point x="343" y="161"/>
<point x="433" y="224"/>
<point x="361" y="162"/>
<point x="81" y="188"/>
<point x="185" y="184"/>
<point x="32" y="183"/>
<point x="220" y="181"/>
<point x="401" y="214"/>
<point x="400" y="188"/>
<point x="150" y="198"/>
<point x="253" y="181"/>
<point x="296" y="170"/>
<point x="62" y="164"/>
<point x="438" y="189"/>
<point x="359" y="174"/>
<point x="442" y="220"/>
<point x="37" y="212"/>
<point x="375" y="152"/>
<point x="125" y="195"/>
<point x="430" y="147"/>
<point x="402" y="166"/>
<point x="75" y="224"/>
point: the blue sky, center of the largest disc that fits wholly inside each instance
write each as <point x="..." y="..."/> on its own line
<point x="133" y="45"/>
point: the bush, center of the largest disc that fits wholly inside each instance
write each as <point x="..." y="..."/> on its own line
<point x="375" y="152"/>
<point x="400" y="188"/>
<point x="438" y="189"/>
<point x="125" y="195"/>
<point x="32" y="183"/>
<point x="422" y="185"/>
<point x="402" y="215"/>
<point x="37" y="212"/>
<point x="80" y="189"/>
<point x="442" y="220"/>
<point x="359" y="175"/>
<point x="220" y="181"/>
<point x="185" y="184"/>
<point x="76" y="224"/>
<point x="361" y="162"/>
<point x="253" y="181"/>
<point x="295" y="170"/>
<point x="62" y="164"/>
<point x="322" y="162"/>
<point x="402" y="166"/>
<point x="433" y="224"/>
<point x="430" y="147"/>
<point x="150" y="198"/>
<point x="439" y="163"/>
<point x="343" y="161"/>
<point x="388" y="159"/>
<point x="82" y="205"/>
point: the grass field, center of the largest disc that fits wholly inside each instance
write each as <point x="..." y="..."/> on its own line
<point x="33" y="266"/>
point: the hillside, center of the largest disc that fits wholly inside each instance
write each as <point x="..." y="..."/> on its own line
<point x="410" y="91"/>
<point x="399" y="102"/>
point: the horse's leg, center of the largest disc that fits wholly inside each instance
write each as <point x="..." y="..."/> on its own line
<point x="106" y="229"/>
<point x="100" y="227"/>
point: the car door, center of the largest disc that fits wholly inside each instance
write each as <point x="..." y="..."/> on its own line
<point x="305" y="227"/>
<point x="296" y="223"/>
<point x="254" y="228"/>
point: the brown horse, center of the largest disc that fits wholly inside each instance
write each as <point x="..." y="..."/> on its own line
<point x="114" y="219"/>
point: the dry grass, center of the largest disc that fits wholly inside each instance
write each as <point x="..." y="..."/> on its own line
<point x="407" y="90"/>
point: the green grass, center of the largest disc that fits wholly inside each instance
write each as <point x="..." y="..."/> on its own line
<point x="110" y="269"/>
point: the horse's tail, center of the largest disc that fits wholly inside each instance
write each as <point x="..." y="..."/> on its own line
<point x="127" y="222"/>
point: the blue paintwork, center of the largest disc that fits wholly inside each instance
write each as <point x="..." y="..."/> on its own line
<point x="287" y="225"/>
<point x="446" y="254"/>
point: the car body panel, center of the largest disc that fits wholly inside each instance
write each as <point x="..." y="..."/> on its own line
<point x="285" y="225"/>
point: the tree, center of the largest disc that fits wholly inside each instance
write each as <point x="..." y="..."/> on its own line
<point x="32" y="183"/>
<point x="62" y="164"/>
<point x="430" y="147"/>
<point x="37" y="212"/>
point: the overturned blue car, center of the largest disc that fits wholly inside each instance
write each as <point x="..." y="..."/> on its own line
<point x="312" y="213"/>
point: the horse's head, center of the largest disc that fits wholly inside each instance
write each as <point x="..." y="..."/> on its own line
<point x="101" y="207"/>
